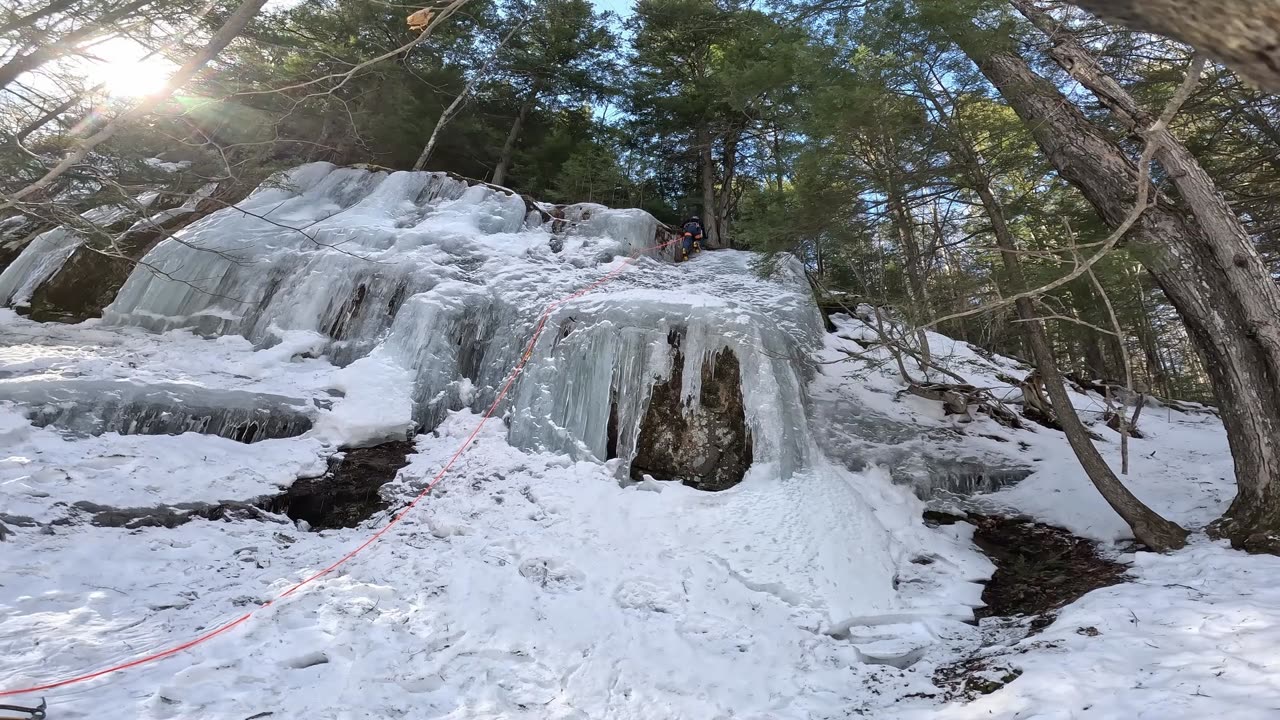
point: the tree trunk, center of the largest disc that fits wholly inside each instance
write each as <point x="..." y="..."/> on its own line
<point x="52" y="115"/>
<point x="454" y="106"/>
<point x="724" y="201"/>
<point x="1147" y="525"/>
<point x="1219" y="288"/>
<point x="234" y="25"/>
<point x="707" y="168"/>
<point x="777" y="156"/>
<point x="445" y="117"/>
<point x="904" y="228"/>
<point x="509" y="147"/>
<point x="1244" y="34"/>
<point x="29" y="19"/>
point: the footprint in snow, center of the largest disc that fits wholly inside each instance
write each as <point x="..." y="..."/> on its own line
<point x="552" y="574"/>
<point x="647" y="596"/>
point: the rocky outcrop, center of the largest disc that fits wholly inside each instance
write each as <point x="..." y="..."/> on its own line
<point x="349" y="493"/>
<point x="89" y="280"/>
<point x="706" y="445"/>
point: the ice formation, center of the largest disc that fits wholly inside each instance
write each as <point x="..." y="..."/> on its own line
<point x="352" y="306"/>
<point x="445" y="281"/>
<point x="49" y="250"/>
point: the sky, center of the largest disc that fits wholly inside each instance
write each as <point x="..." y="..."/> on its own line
<point x="620" y="7"/>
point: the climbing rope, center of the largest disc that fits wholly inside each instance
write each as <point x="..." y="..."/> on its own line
<point x="539" y="327"/>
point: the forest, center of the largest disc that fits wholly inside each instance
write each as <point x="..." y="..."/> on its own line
<point x="1099" y="197"/>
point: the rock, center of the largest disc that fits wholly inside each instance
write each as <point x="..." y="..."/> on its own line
<point x="706" y="445"/>
<point x="348" y="494"/>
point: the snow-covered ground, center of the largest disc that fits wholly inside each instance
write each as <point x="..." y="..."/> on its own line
<point x="536" y="581"/>
<point x="1190" y="635"/>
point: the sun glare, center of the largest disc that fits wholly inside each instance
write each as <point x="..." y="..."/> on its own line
<point x="125" y="70"/>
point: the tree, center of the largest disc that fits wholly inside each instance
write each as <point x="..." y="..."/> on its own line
<point x="562" y="55"/>
<point x="234" y="25"/>
<point x="1244" y="34"/>
<point x="708" y="78"/>
<point x="1223" y="293"/>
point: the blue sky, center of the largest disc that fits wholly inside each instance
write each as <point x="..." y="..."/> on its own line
<point x="621" y="7"/>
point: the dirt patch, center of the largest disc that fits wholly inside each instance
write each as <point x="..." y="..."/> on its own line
<point x="1039" y="568"/>
<point x="973" y="678"/>
<point x="348" y="494"/>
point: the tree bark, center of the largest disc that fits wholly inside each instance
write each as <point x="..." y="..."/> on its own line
<point x="234" y="25"/>
<point x="1244" y="34"/>
<point x="509" y="147"/>
<point x="707" y="168"/>
<point x="1146" y="524"/>
<point x="1219" y="288"/>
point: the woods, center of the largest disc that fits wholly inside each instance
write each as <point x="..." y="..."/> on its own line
<point x="1097" y="194"/>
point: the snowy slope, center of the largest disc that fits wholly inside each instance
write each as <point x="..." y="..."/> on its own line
<point x="1191" y="635"/>
<point x="1182" y="467"/>
<point x="536" y="581"/>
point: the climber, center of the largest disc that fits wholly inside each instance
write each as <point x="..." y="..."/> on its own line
<point x="692" y="241"/>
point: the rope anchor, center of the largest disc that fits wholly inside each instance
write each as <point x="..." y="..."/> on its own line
<point x="32" y="713"/>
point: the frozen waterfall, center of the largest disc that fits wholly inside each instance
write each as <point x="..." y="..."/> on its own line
<point x="443" y="281"/>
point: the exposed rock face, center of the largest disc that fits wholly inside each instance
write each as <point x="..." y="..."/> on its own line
<point x="348" y="494"/>
<point x="707" y="446"/>
<point x="88" y="281"/>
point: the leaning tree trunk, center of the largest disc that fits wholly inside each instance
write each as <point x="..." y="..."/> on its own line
<point x="1216" y="285"/>
<point x="509" y="147"/>
<point x="1244" y="34"/>
<point x="1147" y="525"/>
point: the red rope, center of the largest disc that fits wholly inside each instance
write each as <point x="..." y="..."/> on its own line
<point x="506" y="386"/>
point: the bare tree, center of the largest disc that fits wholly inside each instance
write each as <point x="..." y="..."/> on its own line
<point x="462" y="97"/>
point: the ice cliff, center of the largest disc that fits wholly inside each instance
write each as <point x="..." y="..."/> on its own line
<point x="423" y="275"/>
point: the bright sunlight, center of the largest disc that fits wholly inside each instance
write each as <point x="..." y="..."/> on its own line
<point x="126" y="69"/>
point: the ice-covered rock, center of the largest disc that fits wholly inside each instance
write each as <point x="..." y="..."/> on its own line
<point x="425" y="275"/>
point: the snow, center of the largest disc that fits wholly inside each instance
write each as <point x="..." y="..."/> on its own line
<point x="1192" y="635"/>
<point x="537" y="580"/>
